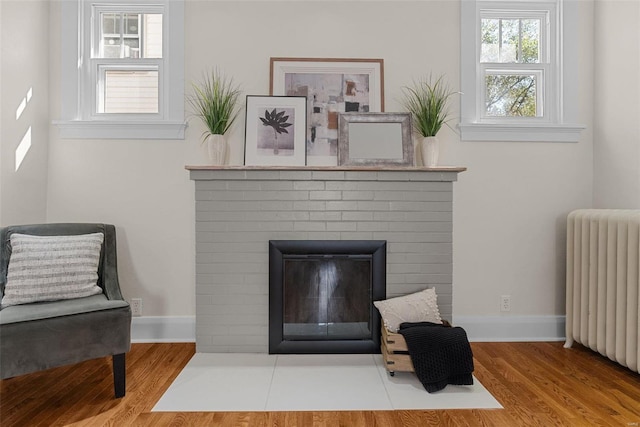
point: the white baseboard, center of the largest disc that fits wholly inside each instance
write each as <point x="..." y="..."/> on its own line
<point x="512" y="328"/>
<point x="478" y="328"/>
<point x="163" y="329"/>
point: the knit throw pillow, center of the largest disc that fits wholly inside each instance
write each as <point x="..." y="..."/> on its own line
<point x="51" y="268"/>
<point x="418" y="307"/>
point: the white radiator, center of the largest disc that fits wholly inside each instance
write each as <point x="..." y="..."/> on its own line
<point x="603" y="262"/>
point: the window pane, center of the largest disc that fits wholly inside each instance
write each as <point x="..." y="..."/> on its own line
<point x="510" y="40"/>
<point x="131" y="35"/>
<point x="530" y="41"/>
<point x="152" y="35"/>
<point x="490" y="51"/>
<point x="132" y="48"/>
<point x="110" y="23"/>
<point x="133" y="91"/>
<point x="131" y="24"/>
<point x="511" y="95"/>
<point x="111" y="47"/>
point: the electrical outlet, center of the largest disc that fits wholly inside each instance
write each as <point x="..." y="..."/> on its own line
<point x="505" y="303"/>
<point x="136" y="306"/>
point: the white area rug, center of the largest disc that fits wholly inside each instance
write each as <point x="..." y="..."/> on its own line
<point x="216" y="382"/>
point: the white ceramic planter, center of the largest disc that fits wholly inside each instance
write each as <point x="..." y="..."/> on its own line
<point x="430" y="151"/>
<point x="217" y="148"/>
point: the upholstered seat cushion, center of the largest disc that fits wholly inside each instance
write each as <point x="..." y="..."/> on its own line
<point x="46" y="342"/>
<point x="46" y="310"/>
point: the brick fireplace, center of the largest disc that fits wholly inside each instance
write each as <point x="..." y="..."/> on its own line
<point x="240" y="209"/>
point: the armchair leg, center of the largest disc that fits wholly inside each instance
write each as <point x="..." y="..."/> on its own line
<point x="119" y="375"/>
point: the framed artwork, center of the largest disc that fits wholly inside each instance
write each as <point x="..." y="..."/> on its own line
<point x="275" y="129"/>
<point x="332" y="86"/>
<point x="373" y="139"/>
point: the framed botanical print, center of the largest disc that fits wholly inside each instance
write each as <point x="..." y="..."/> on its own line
<point x="275" y="129"/>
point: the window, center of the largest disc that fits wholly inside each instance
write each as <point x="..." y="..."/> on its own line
<point x="514" y="60"/>
<point x="126" y="59"/>
<point x="128" y="79"/>
<point x="512" y="66"/>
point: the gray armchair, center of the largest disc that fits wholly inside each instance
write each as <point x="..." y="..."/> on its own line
<point x="44" y="335"/>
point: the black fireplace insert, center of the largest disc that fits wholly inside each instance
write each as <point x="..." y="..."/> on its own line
<point x="321" y="295"/>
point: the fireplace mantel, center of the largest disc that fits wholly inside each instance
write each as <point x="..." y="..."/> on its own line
<point x="240" y="208"/>
<point x="331" y="168"/>
<point x="439" y="173"/>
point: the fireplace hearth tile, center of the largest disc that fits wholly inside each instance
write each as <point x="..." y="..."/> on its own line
<point x="222" y="382"/>
<point x="216" y="382"/>
<point x="405" y="392"/>
<point x="327" y="383"/>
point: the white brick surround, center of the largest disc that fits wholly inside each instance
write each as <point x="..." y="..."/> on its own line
<point x="239" y="209"/>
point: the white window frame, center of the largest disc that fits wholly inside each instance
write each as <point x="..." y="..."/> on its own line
<point x="558" y="95"/>
<point x="81" y="70"/>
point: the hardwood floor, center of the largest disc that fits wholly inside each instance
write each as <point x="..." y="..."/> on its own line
<point x="539" y="384"/>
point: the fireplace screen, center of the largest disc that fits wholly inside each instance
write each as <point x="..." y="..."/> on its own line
<point x="321" y="295"/>
<point x="327" y="297"/>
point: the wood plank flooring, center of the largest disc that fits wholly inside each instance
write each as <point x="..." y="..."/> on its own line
<point x="539" y="384"/>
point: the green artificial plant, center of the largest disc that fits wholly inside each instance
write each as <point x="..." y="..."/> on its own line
<point x="215" y="102"/>
<point x="428" y="102"/>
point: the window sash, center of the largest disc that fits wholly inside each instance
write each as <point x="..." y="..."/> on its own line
<point x="119" y="9"/>
<point x="543" y="47"/>
<point x="101" y="87"/>
<point x="546" y="27"/>
<point x="99" y="69"/>
<point x="500" y="70"/>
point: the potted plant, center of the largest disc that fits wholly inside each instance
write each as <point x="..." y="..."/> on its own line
<point x="215" y="102"/>
<point x="428" y="102"/>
